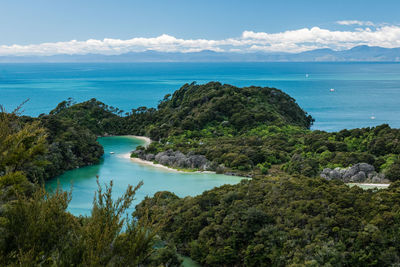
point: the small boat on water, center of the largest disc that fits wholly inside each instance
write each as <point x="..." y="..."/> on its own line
<point x="332" y="90"/>
<point x="372" y="117"/>
<point x="307" y="75"/>
<point x="112" y="152"/>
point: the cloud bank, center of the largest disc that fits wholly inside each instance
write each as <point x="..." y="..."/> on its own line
<point x="292" y="41"/>
<point x="355" y="22"/>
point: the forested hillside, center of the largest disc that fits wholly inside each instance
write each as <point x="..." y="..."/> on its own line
<point x="282" y="222"/>
<point x="35" y="227"/>
<point x="66" y="145"/>
<point x="249" y="131"/>
<point x="286" y="215"/>
<point x="196" y="107"/>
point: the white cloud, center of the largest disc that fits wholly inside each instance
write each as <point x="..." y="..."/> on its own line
<point x="355" y="22"/>
<point x="288" y="41"/>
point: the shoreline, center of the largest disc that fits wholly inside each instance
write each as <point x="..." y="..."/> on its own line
<point x="149" y="163"/>
<point x="147" y="142"/>
<point x="157" y="165"/>
<point x="369" y="184"/>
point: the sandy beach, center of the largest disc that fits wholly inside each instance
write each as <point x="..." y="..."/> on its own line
<point x="146" y="140"/>
<point x="383" y="185"/>
<point x="369" y="185"/>
<point x="150" y="163"/>
<point x="156" y="165"/>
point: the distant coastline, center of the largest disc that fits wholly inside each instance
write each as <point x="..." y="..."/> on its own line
<point x="362" y="53"/>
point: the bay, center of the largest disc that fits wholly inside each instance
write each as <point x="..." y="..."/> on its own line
<point x="361" y="91"/>
<point x="119" y="168"/>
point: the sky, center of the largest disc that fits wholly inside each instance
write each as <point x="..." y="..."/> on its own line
<point x="48" y="27"/>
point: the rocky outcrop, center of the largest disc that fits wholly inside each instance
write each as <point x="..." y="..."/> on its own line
<point x="177" y="159"/>
<point x="358" y="173"/>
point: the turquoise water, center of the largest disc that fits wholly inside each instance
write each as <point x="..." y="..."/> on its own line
<point x="119" y="168"/>
<point x="362" y="90"/>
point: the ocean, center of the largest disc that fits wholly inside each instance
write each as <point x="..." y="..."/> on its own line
<point x="364" y="94"/>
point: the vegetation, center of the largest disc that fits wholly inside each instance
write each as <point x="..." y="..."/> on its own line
<point x="282" y="222"/>
<point x="249" y="131"/>
<point x="97" y="117"/>
<point x="36" y="228"/>
<point x="196" y="107"/>
<point x="38" y="231"/>
<point x="57" y="143"/>
<point x="284" y="216"/>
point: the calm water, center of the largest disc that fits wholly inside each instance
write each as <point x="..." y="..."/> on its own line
<point x="123" y="171"/>
<point x="362" y="90"/>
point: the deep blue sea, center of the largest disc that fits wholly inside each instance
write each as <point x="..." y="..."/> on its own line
<point x="365" y="94"/>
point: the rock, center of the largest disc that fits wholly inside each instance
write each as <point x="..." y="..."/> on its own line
<point x="335" y="174"/>
<point x="371" y="174"/>
<point x="357" y="173"/>
<point x="326" y="171"/>
<point x="150" y="157"/>
<point x="351" y="171"/>
<point x="359" y="177"/>
<point x="139" y="153"/>
<point x="179" y="160"/>
<point x="325" y="176"/>
<point x="366" y="168"/>
<point x="376" y="180"/>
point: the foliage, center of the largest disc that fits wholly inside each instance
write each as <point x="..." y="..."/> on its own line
<point x="37" y="230"/>
<point x="97" y="117"/>
<point x="70" y="145"/>
<point x="296" y="150"/>
<point x="283" y="222"/>
<point x="195" y="107"/>
<point x="21" y="145"/>
<point x="35" y="227"/>
<point x="250" y="131"/>
<point x="44" y="147"/>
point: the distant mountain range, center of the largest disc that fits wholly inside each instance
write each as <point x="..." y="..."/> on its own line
<point x="358" y="53"/>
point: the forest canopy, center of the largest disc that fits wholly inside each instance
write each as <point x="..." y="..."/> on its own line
<point x="286" y="215"/>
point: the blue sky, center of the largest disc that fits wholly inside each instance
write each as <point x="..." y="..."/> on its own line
<point x="32" y="22"/>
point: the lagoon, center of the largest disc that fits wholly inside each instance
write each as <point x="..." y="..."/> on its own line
<point x="123" y="171"/>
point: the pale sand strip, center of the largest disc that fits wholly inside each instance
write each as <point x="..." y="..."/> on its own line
<point x="365" y="184"/>
<point x="381" y="185"/>
<point x="156" y="165"/>
<point x="146" y="140"/>
<point x="149" y="163"/>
